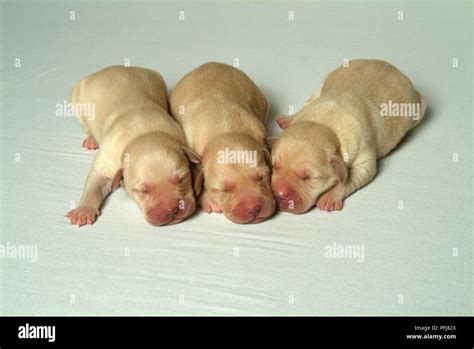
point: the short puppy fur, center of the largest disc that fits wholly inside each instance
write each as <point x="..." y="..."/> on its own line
<point x="329" y="149"/>
<point x="138" y="141"/>
<point x="222" y="112"/>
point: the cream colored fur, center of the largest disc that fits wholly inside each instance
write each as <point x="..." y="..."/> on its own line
<point x="343" y="119"/>
<point x="218" y="106"/>
<point x="135" y="133"/>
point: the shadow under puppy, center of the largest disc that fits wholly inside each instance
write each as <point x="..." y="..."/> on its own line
<point x="139" y="142"/>
<point x="329" y="149"/>
<point x="222" y="113"/>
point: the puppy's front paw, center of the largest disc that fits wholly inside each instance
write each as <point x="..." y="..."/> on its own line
<point x="90" y="143"/>
<point x="208" y="205"/>
<point x="82" y="215"/>
<point x="329" y="201"/>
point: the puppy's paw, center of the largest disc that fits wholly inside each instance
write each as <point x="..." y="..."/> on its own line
<point x="90" y="143"/>
<point x="329" y="201"/>
<point x="82" y="215"/>
<point x="284" y="121"/>
<point x="208" y="205"/>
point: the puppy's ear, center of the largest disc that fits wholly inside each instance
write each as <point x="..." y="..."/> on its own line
<point x="198" y="179"/>
<point x="269" y="141"/>
<point x="191" y="155"/>
<point x="117" y="178"/>
<point x="284" y="121"/>
<point x="339" y="167"/>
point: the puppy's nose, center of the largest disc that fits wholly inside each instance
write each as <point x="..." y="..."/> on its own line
<point x="254" y="210"/>
<point x="280" y="196"/>
<point x="250" y="207"/>
<point x="172" y="211"/>
<point x="164" y="212"/>
<point x="157" y="216"/>
<point x="247" y="209"/>
<point x="281" y="190"/>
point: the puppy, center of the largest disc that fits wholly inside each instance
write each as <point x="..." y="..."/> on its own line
<point x="222" y="113"/>
<point x="329" y="149"/>
<point x="139" y="142"/>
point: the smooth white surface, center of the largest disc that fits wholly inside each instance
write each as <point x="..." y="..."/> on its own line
<point x="207" y="265"/>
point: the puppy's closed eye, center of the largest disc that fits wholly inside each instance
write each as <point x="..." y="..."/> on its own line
<point x="225" y="187"/>
<point x="178" y="179"/>
<point x="303" y="174"/>
<point x="221" y="190"/>
<point x="307" y="175"/>
<point x="256" y="176"/>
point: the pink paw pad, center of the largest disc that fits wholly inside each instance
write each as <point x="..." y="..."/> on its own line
<point x="210" y="206"/>
<point x="329" y="202"/>
<point x="82" y="215"/>
<point x="90" y="143"/>
<point x="284" y="121"/>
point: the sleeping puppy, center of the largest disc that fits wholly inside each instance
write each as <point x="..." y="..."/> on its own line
<point x="329" y="149"/>
<point x="139" y="142"/>
<point x="222" y="113"/>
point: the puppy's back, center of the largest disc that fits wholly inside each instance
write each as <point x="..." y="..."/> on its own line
<point x="118" y="86"/>
<point x="222" y="82"/>
<point x="376" y="83"/>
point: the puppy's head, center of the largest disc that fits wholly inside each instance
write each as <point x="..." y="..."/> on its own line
<point x="237" y="178"/>
<point x="306" y="163"/>
<point x="156" y="174"/>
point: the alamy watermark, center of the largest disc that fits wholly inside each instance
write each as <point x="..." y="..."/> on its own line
<point x="228" y="156"/>
<point x="394" y="109"/>
<point x="12" y="251"/>
<point x="28" y="331"/>
<point x="336" y="251"/>
<point x="75" y="109"/>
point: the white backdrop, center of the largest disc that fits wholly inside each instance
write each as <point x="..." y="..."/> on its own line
<point x="413" y="221"/>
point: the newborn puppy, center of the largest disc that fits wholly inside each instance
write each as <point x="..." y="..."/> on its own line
<point x="222" y="113"/>
<point x="139" y="142"/>
<point x="329" y="149"/>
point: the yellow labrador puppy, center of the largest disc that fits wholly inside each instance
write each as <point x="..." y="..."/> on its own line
<point x="139" y="142"/>
<point x="329" y="149"/>
<point x="222" y="113"/>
